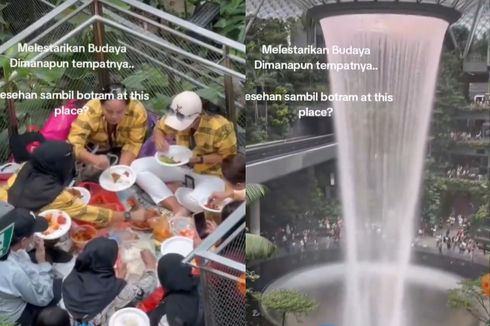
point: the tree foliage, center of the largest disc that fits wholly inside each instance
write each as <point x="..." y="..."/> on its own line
<point x="258" y="247"/>
<point x="272" y="120"/>
<point x="438" y="189"/>
<point x="288" y="302"/>
<point x="470" y="297"/>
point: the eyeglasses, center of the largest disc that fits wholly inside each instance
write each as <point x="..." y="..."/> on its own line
<point x="178" y="114"/>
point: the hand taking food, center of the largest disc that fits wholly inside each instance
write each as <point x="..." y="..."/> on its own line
<point x="101" y="162"/>
<point x="138" y="215"/>
<point x="218" y="197"/>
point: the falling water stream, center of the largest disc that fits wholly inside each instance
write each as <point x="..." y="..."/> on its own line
<point x="381" y="150"/>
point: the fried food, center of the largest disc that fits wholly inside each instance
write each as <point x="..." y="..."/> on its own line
<point x="115" y="177"/>
<point x="74" y="192"/>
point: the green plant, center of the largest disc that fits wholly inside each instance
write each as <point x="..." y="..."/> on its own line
<point x="258" y="247"/>
<point x="438" y="190"/>
<point x="4" y="322"/>
<point x="469" y="296"/>
<point x="255" y="192"/>
<point x="288" y="302"/>
<point x="231" y="22"/>
<point x="5" y="32"/>
<point x="271" y="120"/>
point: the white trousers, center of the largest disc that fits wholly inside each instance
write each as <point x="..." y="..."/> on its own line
<point x="151" y="177"/>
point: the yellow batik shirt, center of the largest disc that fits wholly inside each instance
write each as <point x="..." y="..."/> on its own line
<point x="215" y="135"/>
<point x="91" y="127"/>
<point x="72" y="205"/>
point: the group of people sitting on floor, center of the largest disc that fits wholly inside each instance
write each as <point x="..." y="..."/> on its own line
<point x="31" y="293"/>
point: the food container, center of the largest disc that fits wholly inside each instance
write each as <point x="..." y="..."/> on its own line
<point x="160" y="227"/>
<point x="183" y="226"/>
<point x="81" y="234"/>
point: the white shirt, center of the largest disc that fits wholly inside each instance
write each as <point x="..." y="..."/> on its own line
<point x="22" y="282"/>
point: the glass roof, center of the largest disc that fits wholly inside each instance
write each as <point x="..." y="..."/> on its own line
<point x="461" y="30"/>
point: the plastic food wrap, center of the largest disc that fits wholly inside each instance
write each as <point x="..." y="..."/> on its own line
<point x="130" y="253"/>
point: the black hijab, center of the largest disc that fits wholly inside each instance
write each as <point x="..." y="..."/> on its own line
<point x="92" y="284"/>
<point x="181" y="302"/>
<point x="48" y="171"/>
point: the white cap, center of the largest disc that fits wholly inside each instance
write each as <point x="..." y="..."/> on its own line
<point x="185" y="108"/>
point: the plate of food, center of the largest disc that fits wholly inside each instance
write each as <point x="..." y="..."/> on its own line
<point x="129" y="317"/>
<point x="175" y="156"/>
<point x="82" y="193"/>
<point x="117" y="178"/>
<point x="177" y="245"/>
<point x="59" y="224"/>
<point x="212" y="206"/>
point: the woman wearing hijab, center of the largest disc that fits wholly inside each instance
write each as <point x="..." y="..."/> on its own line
<point x="41" y="184"/>
<point x="92" y="292"/>
<point x="181" y="305"/>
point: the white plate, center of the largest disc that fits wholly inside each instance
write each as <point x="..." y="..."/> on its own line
<point x="129" y="317"/>
<point x="10" y="168"/>
<point x="61" y="231"/>
<point x="177" y="245"/>
<point x="177" y="153"/>
<point x="204" y="201"/>
<point x="85" y="194"/>
<point x="123" y="183"/>
<point x="185" y="199"/>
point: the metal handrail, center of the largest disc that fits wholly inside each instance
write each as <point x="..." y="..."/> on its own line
<point x="61" y="21"/>
<point x="187" y="25"/>
<point x="172" y="48"/>
<point x="37" y="24"/>
<point x="173" y="31"/>
<point x="206" y="250"/>
<point x="75" y="31"/>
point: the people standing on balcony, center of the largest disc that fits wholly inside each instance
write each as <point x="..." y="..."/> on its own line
<point x="41" y="185"/>
<point x="211" y="137"/>
<point x="111" y="127"/>
<point x="26" y="288"/>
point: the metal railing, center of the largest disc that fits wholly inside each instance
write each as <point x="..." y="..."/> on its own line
<point x="259" y="152"/>
<point x="166" y="54"/>
<point x="221" y="261"/>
